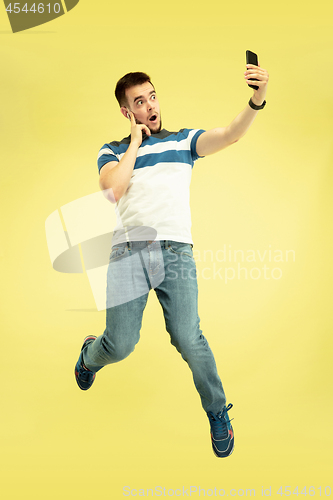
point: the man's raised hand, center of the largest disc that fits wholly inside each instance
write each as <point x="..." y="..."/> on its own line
<point x="262" y="76"/>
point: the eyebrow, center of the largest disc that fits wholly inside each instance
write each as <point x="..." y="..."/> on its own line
<point x="141" y="96"/>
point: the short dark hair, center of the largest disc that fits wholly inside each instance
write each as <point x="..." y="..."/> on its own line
<point x="128" y="81"/>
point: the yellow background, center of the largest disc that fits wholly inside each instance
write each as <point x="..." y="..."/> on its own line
<point x="142" y="425"/>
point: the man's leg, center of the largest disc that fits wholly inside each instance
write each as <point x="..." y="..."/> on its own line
<point x="127" y="294"/>
<point x="122" y="333"/>
<point x="178" y="296"/>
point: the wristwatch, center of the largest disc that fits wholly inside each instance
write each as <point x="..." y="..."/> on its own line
<point x="254" y="106"/>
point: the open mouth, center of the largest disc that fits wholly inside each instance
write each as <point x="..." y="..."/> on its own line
<point x="153" y="118"/>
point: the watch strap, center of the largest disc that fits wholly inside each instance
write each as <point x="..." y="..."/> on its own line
<point x="254" y="106"/>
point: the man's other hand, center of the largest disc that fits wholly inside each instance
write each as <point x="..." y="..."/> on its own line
<point x="137" y="129"/>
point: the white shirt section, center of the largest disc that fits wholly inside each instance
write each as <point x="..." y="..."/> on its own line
<point x="158" y="197"/>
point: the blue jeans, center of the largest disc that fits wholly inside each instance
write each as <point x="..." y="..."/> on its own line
<point x="169" y="268"/>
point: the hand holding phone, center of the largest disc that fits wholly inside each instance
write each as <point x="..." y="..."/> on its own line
<point x="252" y="58"/>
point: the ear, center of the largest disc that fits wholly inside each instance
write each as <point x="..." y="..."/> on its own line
<point x="124" y="111"/>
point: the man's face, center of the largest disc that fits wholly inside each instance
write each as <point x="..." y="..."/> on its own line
<point x="143" y="103"/>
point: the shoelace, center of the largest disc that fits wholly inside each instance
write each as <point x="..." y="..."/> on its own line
<point x="219" y="423"/>
<point x="85" y="375"/>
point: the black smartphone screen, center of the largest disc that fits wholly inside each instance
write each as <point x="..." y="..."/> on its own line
<point x="252" y="58"/>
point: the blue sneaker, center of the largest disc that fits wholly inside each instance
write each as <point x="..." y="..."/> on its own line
<point x="84" y="377"/>
<point x="221" y="432"/>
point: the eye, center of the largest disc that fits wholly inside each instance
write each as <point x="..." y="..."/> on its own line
<point x="153" y="96"/>
<point x="139" y="103"/>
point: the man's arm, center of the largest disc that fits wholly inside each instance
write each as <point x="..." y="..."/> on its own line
<point x="216" y="139"/>
<point x="115" y="176"/>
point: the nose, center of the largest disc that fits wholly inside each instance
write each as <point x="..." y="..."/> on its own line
<point x="150" y="105"/>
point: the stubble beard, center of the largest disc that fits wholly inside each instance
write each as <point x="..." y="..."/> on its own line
<point x="152" y="130"/>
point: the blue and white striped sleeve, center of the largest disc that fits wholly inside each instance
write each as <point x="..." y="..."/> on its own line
<point x="105" y="155"/>
<point x="194" y="139"/>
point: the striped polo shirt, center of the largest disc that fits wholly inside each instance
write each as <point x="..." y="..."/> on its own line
<point x="158" y="195"/>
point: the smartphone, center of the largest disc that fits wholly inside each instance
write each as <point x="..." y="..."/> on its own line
<point x="252" y="58"/>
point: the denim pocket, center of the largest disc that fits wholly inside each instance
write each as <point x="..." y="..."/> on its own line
<point x="181" y="248"/>
<point x="117" y="252"/>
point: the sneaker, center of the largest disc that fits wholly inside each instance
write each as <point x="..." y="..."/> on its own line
<point x="222" y="433"/>
<point x="84" y="377"/>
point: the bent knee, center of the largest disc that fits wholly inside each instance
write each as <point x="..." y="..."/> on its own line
<point x="117" y="351"/>
<point x="189" y="344"/>
<point x="121" y="352"/>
